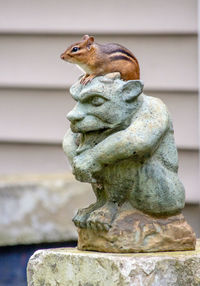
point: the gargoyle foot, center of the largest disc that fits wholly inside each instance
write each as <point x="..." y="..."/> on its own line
<point x="102" y="218"/>
<point x="82" y="215"/>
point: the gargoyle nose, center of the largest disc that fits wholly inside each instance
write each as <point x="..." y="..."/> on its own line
<point x="75" y="116"/>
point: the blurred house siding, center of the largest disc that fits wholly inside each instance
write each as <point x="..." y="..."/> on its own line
<point x="34" y="82"/>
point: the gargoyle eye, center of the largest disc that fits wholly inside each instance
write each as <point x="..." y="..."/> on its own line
<point x="75" y="49"/>
<point x="97" y="100"/>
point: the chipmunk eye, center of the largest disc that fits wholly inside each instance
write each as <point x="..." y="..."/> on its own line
<point x="75" y="49"/>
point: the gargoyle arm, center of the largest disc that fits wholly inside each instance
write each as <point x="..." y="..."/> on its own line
<point x="140" y="138"/>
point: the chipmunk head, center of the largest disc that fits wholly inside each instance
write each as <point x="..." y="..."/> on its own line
<point x="76" y="52"/>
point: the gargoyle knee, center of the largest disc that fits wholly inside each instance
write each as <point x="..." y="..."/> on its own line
<point x="158" y="191"/>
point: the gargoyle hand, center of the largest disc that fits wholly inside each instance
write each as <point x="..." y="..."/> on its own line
<point x="85" y="165"/>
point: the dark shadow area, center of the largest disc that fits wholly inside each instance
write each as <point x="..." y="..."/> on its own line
<point x="14" y="259"/>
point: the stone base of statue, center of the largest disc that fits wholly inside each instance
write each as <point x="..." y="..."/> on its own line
<point x="69" y="266"/>
<point x="134" y="231"/>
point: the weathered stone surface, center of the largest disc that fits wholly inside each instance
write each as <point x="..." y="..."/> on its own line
<point x="39" y="208"/>
<point x="70" y="267"/>
<point x="134" y="231"/>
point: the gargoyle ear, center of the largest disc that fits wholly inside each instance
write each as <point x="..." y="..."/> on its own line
<point x="131" y="89"/>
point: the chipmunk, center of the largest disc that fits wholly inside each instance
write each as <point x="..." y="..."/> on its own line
<point x="96" y="59"/>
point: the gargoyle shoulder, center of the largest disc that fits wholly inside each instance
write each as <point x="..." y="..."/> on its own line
<point x="155" y="109"/>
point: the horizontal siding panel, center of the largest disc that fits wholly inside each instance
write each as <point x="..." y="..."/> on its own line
<point x="40" y="115"/>
<point x="167" y="62"/>
<point x="189" y="174"/>
<point x="29" y="158"/>
<point x="34" y="115"/>
<point x="114" y="16"/>
<point x="183" y="108"/>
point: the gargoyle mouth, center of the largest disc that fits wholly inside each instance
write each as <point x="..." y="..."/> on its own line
<point x="76" y="129"/>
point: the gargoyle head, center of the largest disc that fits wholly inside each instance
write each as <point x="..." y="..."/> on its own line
<point x="106" y="103"/>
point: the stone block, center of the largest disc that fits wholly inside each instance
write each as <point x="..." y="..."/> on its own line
<point x="39" y="208"/>
<point x="71" y="267"/>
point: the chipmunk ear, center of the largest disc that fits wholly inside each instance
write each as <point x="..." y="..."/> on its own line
<point x="131" y="89"/>
<point x="88" y="39"/>
<point x="85" y="37"/>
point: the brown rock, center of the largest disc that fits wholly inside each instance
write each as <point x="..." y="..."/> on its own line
<point x="134" y="231"/>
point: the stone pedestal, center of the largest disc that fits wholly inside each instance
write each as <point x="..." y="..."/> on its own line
<point x="71" y="267"/>
<point x="134" y="231"/>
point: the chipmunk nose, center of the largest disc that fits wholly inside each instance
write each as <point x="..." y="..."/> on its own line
<point x="62" y="56"/>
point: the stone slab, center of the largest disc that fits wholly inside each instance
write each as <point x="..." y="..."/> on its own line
<point x="71" y="267"/>
<point x="39" y="208"/>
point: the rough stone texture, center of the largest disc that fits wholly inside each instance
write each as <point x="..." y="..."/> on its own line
<point x="133" y="231"/>
<point x="70" y="267"/>
<point x="39" y="208"/>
